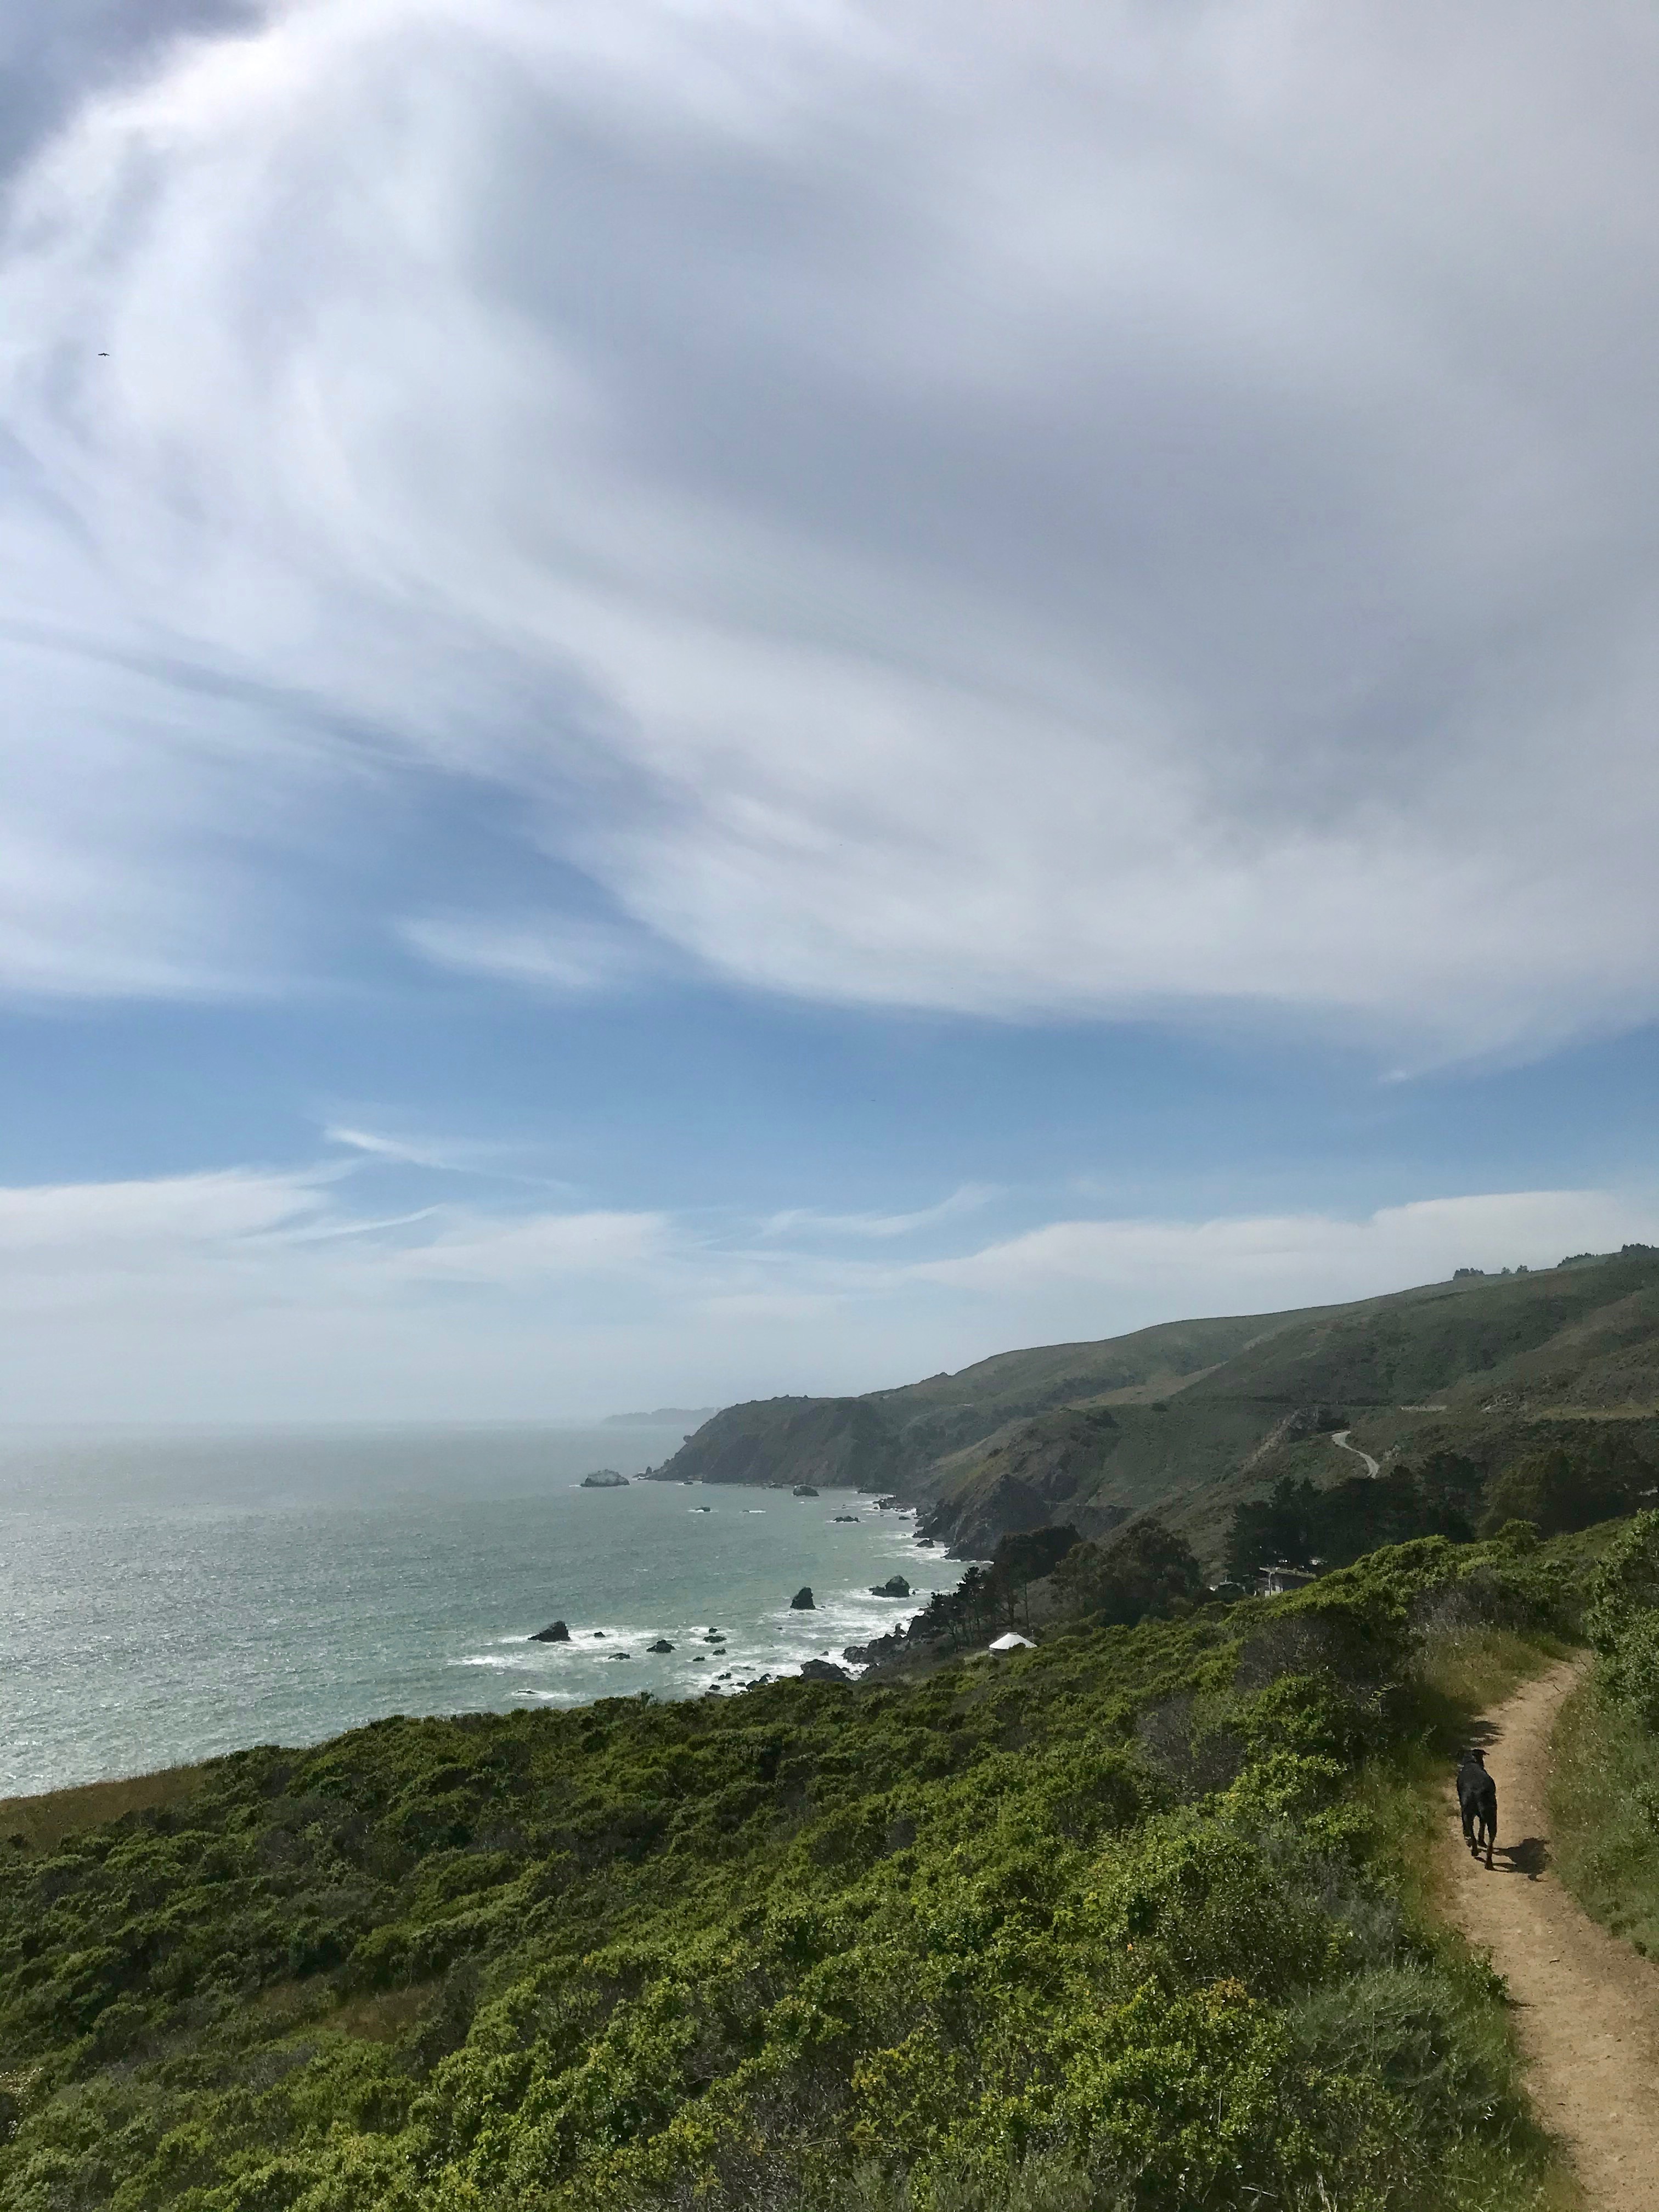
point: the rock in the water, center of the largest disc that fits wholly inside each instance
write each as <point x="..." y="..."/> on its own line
<point x="554" y="1632"/>
<point x="802" y="1601"/>
<point x="853" y="1517"/>
<point x="662" y="1644"/>
<point x="878" y="1650"/>
<point x="599" y="1632"/>
<point x="894" y="1586"/>
<point x="604" y="1478"/>
<point x="804" y="1490"/>
<point x="824" y="1670"/>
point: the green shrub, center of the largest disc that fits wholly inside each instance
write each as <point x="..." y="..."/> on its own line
<point x="1114" y="1927"/>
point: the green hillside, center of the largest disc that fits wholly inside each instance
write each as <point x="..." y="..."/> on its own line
<point x="1193" y="1416"/>
<point x="1131" y="1923"/>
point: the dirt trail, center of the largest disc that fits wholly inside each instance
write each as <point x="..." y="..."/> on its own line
<point x="1586" y="2006"/>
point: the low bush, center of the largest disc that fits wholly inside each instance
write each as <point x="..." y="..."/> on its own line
<point x="1604" y="1798"/>
<point x="1124" y="1924"/>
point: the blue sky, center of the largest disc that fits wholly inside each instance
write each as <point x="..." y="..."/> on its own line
<point x="701" y="700"/>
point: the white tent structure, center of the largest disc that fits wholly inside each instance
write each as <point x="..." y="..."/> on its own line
<point x="1012" y="1643"/>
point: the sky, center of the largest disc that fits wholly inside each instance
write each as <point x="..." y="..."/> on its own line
<point x="700" y="698"/>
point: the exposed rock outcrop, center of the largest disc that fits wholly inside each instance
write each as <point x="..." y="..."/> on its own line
<point x="803" y="1600"/>
<point x="824" y="1670"/>
<point x="879" y="1650"/>
<point x="554" y="1632"/>
<point x="894" y="1586"/>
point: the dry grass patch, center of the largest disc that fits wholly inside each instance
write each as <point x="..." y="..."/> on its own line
<point x="1468" y="1670"/>
<point x="40" y="1823"/>
<point x="383" y="2018"/>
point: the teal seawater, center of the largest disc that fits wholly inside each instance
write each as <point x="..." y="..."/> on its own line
<point x="166" y="1598"/>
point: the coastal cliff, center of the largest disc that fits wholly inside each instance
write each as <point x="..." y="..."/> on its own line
<point x="1196" y="1417"/>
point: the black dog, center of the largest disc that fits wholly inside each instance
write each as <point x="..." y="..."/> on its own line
<point x="1476" y="1800"/>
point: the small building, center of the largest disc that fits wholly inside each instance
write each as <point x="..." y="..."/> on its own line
<point x="1275" y="1582"/>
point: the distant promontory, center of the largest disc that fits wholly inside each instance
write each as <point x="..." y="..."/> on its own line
<point x="662" y="1417"/>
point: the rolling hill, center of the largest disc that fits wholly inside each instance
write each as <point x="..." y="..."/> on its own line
<point x="1196" y="1416"/>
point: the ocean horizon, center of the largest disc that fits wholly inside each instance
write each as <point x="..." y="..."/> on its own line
<point x="168" y="1595"/>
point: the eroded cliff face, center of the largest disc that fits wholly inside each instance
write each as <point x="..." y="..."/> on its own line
<point x="835" y="1442"/>
<point x="1026" y="1476"/>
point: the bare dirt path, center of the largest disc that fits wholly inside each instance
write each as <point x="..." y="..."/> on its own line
<point x="1586" y="2006"/>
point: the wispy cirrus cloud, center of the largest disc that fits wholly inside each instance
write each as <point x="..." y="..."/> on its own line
<point x="808" y="1221"/>
<point x="551" y="955"/>
<point x="1117" y="510"/>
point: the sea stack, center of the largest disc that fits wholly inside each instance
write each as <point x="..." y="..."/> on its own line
<point x="894" y="1586"/>
<point x="604" y="1478"/>
<point x="554" y="1632"/>
<point x="802" y="1601"/>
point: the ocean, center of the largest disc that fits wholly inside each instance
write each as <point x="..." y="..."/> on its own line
<point x="166" y="1597"/>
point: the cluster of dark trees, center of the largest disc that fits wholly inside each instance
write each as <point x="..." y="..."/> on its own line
<point x="1145" y="1571"/>
<point x="1561" y="1489"/>
<point x="1141" y="1570"/>
<point x="999" y="1596"/>
<point x="1299" y="1525"/>
<point x="1557" y="1489"/>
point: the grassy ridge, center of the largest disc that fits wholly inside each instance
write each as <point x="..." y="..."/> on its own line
<point x="1190" y="1416"/>
<point x="1127" y="1923"/>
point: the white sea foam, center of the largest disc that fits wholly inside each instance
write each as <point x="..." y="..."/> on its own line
<point x="347" y="1599"/>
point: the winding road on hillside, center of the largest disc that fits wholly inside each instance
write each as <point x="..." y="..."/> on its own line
<point x="1340" y="1440"/>
<point x="1586" y="2006"/>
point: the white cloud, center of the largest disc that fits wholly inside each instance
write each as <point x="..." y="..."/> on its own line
<point x="1095" y="508"/>
<point x="474" y="1249"/>
<point x="1170" y="1268"/>
<point x="258" y="1295"/>
<point x="808" y="1220"/>
<point x="397" y="1151"/>
<point x="191" y="1212"/>
<point x="552" y="954"/>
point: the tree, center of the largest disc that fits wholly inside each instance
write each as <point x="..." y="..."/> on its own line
<point x="1022" y="1558"/>
<point x="1146" y="1569"/>
<point x="1560" y="1489"/>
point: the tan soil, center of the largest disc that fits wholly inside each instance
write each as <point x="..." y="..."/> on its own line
<point x="1586" y="2006"/>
